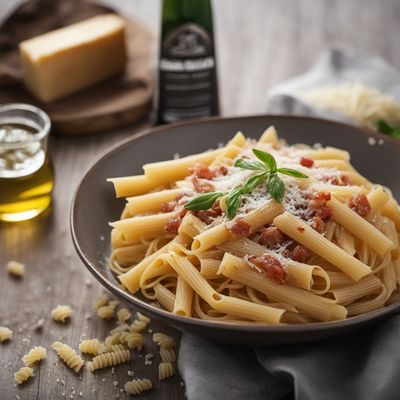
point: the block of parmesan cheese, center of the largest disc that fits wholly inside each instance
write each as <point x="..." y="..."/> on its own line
<point x="59" y="63"/>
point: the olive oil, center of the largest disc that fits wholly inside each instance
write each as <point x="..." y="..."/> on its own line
<point x="26" y="173"/>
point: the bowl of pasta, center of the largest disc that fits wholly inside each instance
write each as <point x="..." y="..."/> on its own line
<point x="224" y="229"/>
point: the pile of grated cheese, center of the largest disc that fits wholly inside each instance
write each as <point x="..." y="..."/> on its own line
<point x="363" y="104"/>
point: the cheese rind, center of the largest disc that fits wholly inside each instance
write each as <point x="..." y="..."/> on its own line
<point x="59" y="63"/>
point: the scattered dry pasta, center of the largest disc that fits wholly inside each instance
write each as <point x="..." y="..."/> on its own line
<point x="16" y="269"/>
<point x="164" y="340"/>
<point x="61" y="313"/>
<point x="68" y="355"/>
<point x="92" y="346"/>
<point x="23" y="374"/>
<point x="143" y="318"/>
<point x="137" y="386"/>
<point x="123" y="315"/>
<point x="167" y="355"/>
<point x="119" y="329"/>
<point x="5" y="333"/>
<point x="165" y="370"/>
<point x="109" y="359"/>
<point x="112" y="340"/>
<point x="134" y="340"/>
<point x="114" y="303"/>
<point x="116" y="347"/>
<point x="36" y="354"/>
<point x="101" y="301"/>
<point x="138" y="326"/>
<point x="106" y="312"/>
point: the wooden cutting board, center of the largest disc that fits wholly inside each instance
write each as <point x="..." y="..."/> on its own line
<point x="111" y="104"/>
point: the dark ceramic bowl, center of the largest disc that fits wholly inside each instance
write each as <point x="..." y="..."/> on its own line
<point x="95" y="204"/>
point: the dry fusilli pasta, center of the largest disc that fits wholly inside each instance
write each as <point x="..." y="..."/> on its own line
<point x="37" y="353"/>
<point x="123" y="315"/>
<point x="165" y="370"/>
<point x="116" y="347"/>
<point x="137" y="386"/>
<point x="114" y="303"/>
<point x="16" y="269"/>
<point x="164" y="340"/>
<point x="109" y="359"/>
<point x="138" y="326"/>
<point x="144" y="318"/>
<point x="61" y="313"/>
<point x="112" y="340"/>
<point x="5" y="333"/>
<point x="91" y="346"/>
<point x="23" y="374"/>
<point x="106" y="312"/>
<point x="101" y="301"/>
<point x="68" y="355"/>
<point x="167" y="354"/>
<point x="132" y="339"/>
<point x="119" y="329"/>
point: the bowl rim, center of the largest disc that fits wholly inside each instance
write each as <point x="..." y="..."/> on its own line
<point x="170" y="318"/>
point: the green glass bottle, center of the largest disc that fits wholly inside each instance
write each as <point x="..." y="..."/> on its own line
<point x="187" y="70"/>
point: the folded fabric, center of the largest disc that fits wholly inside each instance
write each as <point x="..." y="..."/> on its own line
<point x="333" y="67"/>
<point x="362" y="365"/>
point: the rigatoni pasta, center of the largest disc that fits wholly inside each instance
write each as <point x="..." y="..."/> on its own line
<point x="257" y="232"/>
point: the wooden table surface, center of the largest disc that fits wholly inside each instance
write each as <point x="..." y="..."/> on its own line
<point x="259" y="43"/>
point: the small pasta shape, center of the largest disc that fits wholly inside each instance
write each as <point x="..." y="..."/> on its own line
<point x="112" y="340"/>
<point x="138" y="326"/>
<point x="123" y="315"/>
<point x="106" y="312"/>
<point x="61" y="313"/>
<point x="5" y="334"/>
<point x="109" y="359"/>
<point x="143" y="318"/>
<point x="92" y="346"/>
<point x="164" y="340"/>
<point x="101" y="301"/>
<point x="116" y="347"/>
<point x="119" y="329"/>
<point x="23" y="374"/>
<point x="114" y="303"/>
<point x="16" y="269"/>
<point x="36" y="354"/>
<point x="167" y="355"/>
<point x="137" y="386"/>
<point x="165" y="370"/>
<point x="68" y="355"/>
<point x="134" y="340"/>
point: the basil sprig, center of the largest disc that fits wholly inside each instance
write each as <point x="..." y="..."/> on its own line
<point x="385" y="128"/>
<point x="267" y="173"/>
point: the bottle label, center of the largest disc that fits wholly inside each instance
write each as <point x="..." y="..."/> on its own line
<point x="187" y="74"/>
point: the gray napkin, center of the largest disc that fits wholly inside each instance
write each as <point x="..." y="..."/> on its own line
<point x="363" y="365"/>
<point x="334" y="66"/>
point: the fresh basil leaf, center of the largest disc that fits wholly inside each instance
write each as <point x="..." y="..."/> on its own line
<point x="276" y="187"/>
<point x="204" y="201"/>
<point x="253" y="182"/>
<point x="233" y="201"/>
<point x="384" y="127"/>
<point x="292" y="172"/>
<point x="266" y="158"/>
<point x="248" y="164"/>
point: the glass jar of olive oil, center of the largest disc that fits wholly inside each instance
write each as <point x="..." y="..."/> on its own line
<point x="26" y="173"/>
